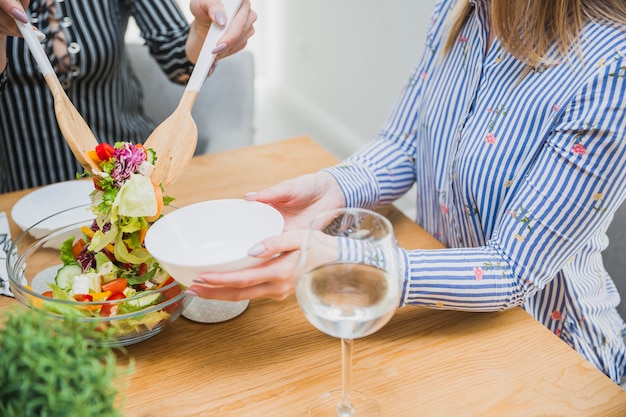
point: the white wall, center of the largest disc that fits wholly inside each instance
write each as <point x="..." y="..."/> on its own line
<point x="334" y="68"/>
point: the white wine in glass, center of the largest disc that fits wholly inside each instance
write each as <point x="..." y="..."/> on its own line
<point x="348" y="287"/>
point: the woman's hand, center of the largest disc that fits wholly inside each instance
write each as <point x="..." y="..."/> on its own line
<point x="275" y="279"/>
<point x="299" y="200"/>
<point x="302" y="198"/>
<point x="10" y="10"/>
<point x="208" y="12"/>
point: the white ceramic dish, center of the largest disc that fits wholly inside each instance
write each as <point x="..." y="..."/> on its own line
<point x="69" y="197"/>
<point x="211" y="236"/>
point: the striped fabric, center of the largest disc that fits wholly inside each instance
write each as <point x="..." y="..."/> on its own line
<point x="518" y="173"/>
<point x="99" y="82"/>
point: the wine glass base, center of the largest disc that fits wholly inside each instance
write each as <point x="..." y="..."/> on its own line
<point x="327" y="405"/>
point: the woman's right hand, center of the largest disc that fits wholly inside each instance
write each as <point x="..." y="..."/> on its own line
<point x="9" y="11"/>
<point x="302" y="198"/>
<point x="209" y="12"/>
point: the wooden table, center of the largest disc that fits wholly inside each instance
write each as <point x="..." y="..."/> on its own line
<point x="271" y="362"/>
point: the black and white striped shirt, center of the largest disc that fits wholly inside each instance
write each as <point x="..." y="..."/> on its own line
<point x="99" y="81"/>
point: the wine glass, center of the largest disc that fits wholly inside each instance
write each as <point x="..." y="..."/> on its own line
<point x="348" y="287"/>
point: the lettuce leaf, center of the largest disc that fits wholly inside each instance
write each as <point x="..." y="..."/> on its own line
<point x="136" y="197"/>
<point x="67" y="256"/>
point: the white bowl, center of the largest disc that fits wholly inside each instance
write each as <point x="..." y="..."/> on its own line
<point x="211" y="236"/>
<point x="64" y="203"/>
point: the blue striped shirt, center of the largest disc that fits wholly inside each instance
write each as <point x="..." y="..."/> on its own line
<point x="518" y="173"/>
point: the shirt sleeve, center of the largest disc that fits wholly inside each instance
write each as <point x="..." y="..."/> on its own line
<point x="572" y="189"/>
<point x="383" y="171"/>
<point x="164" y="28"/>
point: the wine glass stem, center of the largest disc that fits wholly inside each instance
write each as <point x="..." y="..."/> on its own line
<point x="345" y="407"/>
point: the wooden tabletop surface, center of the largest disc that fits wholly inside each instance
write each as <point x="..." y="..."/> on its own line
<point x="271" y="362"/>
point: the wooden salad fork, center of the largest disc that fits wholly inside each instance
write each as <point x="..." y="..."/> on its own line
<point x="77" y="133"/>
<point x="175" y="139"/>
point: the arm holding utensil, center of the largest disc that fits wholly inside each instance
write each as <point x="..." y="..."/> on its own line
<point x="179" y="53"/>
<point x="77" y="49"/>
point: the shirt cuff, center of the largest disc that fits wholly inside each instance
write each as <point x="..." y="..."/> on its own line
<point x="358" y="184"/>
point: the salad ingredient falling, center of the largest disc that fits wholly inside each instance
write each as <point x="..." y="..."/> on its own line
<point x="109" y="261"/>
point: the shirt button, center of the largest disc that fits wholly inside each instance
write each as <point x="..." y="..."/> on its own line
<point x="73" y="48"/>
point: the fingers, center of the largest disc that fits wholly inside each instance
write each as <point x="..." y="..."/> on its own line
<point x="273" y="279"/>
<point x="281" y="192"/>
<point x="204" y="11"/>
<point x="281" y="265"/>
<point x="11" y="10"/>
<point x="241" y="23"/>
<point x="239" y="44"/>
<point x="286" y="242"/>
<point x="240" y="29"/>
<point x="234" y="294"/>
<point x="302" y="190"/>
<point x="240" y="279"/>
<point x="14" y="9"/>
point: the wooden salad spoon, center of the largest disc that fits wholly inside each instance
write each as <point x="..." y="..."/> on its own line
<point x="175" y="139"/>
<point x="77" y="133"/>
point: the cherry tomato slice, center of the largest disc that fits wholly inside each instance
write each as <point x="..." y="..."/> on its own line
<point x="107" y="308"/>
<point x="104" y="151"/>
<point x="171" y="293"/>
<point x="117" y="285"/>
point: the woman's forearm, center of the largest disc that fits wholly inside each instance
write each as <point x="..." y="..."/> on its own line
<point x="195" y="39"/>
<point x="3" y="53"/>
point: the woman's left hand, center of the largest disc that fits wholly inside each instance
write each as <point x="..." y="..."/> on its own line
<point x="208" y="12"/>
<point x="275" y="278"/>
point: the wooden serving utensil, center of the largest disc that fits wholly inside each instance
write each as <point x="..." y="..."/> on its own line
<point x="77" y="133"/>
<point x="175" y="139"/>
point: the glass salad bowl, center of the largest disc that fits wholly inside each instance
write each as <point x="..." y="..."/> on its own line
<point x="133" y="312"/>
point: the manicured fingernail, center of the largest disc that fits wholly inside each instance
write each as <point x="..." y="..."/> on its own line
<point x="256" y="249"/>
<point x="219" y="48"/>
<point x="191" y="293"/>
<point x="221" y="18"/>
<point x="251" y="194"/>
<point x="211" y="70"/>
<point x="19" y="15"/>
<point x="39" y="34"/>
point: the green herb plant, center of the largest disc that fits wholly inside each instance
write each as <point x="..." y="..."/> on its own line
<point x="57" y="368"/>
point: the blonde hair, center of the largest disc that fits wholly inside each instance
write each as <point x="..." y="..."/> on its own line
<point x="528" y="28"/>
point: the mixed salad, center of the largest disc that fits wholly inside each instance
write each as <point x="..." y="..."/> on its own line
<point x="108" y="260"/>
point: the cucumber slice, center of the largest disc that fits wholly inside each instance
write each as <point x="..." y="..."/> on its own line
<point x="146" y="300"/>
<point x="65" y="276"/>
